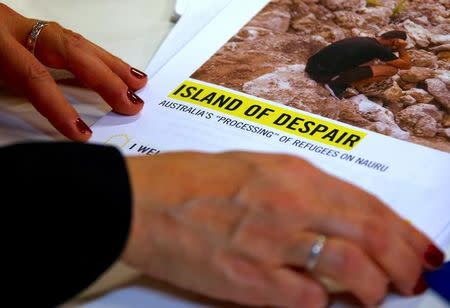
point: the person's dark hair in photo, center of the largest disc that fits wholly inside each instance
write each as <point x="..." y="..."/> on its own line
<point x="394" y="35"/>
<point x="344" y="63"/>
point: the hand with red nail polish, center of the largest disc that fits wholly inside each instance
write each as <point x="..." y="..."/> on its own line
<point x="247" y="221"/>
<point x="138" y="74"/>
<point x="134" y="98"/>
<point x="61" y="48"/>
<point x="434" y="256"/>
<point x="420" y="287"/>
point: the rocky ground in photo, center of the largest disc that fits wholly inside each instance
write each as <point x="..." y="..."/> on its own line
<point x="268" y="56"/>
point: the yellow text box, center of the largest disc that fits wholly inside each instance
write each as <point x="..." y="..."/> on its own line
<point x="277" y="117"/>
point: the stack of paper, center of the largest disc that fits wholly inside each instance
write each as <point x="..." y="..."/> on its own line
<point x="190" y="16"/>
<point x="221" y="83"/>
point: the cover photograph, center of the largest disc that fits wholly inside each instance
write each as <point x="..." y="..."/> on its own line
<point x="379" y="65"/>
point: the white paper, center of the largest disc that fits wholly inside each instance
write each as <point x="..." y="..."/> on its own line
<point x="409" y="182"/>
<point x="194" y="16"/>
<point x="415" y="186"/>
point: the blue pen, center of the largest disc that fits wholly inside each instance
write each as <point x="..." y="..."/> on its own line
<point x="439" y="281"/>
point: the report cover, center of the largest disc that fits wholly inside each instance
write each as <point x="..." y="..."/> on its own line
<point x="359" y="88"/>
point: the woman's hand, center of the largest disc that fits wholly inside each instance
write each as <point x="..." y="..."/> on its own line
<point x="240" y="227"/>
<point x="60" y="48"/>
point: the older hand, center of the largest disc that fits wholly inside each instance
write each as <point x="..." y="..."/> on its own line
<point x="60" y="48"/>
<point x="240" y="226"/>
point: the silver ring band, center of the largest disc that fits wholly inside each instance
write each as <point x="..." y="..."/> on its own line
<point x="314" y="255"/>
<point x="34" y="34"/>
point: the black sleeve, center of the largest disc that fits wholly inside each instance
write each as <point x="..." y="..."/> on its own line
<point x="385" y="54"/>
<point x="66" y="217"/>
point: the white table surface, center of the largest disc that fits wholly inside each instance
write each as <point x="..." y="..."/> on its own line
<point x="132" y="30"/>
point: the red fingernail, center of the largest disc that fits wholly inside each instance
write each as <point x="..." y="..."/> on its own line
<point x="434" y="256"/>
<point x="420" y="287"/>
<point x="137" y="73"/>
<point x="82" y="127"/>
<point x="134" y="98"/>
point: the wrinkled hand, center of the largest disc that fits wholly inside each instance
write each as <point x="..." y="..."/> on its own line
<point x="60" y="48"/>
<point x="240" y="227"/>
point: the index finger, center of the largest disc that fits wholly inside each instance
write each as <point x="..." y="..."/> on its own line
<point x="23" y="71"/>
